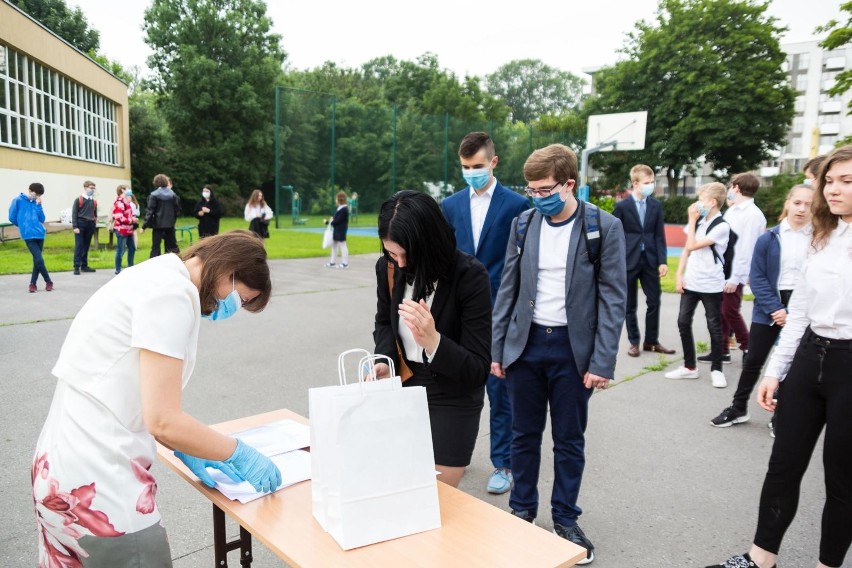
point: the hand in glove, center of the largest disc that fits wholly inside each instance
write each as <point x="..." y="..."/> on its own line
<point x="255" y="468"/>
<point x="199" y="467"/>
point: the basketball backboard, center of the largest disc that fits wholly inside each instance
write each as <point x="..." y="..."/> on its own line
<point x="625" y="129"/>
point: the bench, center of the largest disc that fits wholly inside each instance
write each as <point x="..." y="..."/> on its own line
<point x="299" y="220"/>
<point x="188" y="230"/>
<point x="3" y="236"/>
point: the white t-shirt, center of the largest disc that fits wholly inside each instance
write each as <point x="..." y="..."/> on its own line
<point x="703" y="272"/>
<point x="95" y="436"/>
<point x="551" y="288"/>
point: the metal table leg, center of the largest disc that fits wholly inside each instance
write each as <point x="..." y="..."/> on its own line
<point x="221" y="546"/>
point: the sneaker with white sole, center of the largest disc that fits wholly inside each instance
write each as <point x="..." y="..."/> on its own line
<point x="575" y="534"/>
<point x="501" y="481"/>
<point x="729" y="417"/>
<point x="717" y="378"/>
<point x="682" y="373"/>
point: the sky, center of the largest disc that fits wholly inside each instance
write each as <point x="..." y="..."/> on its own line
<point x="470" y="38"/>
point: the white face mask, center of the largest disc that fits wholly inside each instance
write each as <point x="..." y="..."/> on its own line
<point x="808" y="181"/>
<point x="32" y="196"/>
<point x="205" y="194"/>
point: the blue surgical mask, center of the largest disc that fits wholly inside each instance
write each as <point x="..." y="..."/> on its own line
<point x="128" y="192"/>
<point x="550" y="205"/>
<point x="702" y="210"/>
<point x="90" y="192"/>
<point x="808" y="181"/>
<point x="730" y="195"/>
<point x="647" y="190"/>
<point x="476" y="178"/>
<point x="227" y="307"/>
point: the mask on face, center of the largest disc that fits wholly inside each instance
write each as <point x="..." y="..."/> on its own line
<point x="476" y="178"/>
<point x="128" y="192"/>
<point x="205" y="194"/>
<point x="648" y="190"/>
<point x="550" y="205"/>
<point x="31" y="195"/>
<point x="90" y="192"/>
<point x="808" y="181"/>
<point x="702" y="210"/>
<point x="731" y="195"/>
<point x="227" y="307"/>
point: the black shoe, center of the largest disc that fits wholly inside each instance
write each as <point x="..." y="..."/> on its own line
<point x="87" y="269"/>
<point x="745" y="354"/>
<point x="772" y="426"/>
<point x="726" y="358"/>
<point x="738" y="561"/>
<point x="575" y="534"/>
<point x="729" y="417"/>
<point x="525" y="515"/>
<point x="77" y="270"/>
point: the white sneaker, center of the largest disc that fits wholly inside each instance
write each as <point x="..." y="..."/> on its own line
<point x="718" y="379"/>
<point x="682" y="373"/>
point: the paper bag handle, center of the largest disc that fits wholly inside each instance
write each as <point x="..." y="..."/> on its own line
<point x="369" y="363"/>
<point x="341" y="368"/>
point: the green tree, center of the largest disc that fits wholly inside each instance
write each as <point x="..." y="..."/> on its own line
<point x="709" y="74"/>
<point x="69" y="24"/>
<point x="216" y="63"/>
<point x="531" y="89"/>
<point x="840" y="35"/>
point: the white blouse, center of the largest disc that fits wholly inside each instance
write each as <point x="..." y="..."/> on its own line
<point x="822" y="299"/>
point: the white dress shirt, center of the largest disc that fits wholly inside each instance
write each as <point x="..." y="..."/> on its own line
<point x="414" y="352"/>
<point x="822" y="299"/>
<point x="794" y="251"/>
<point x="748" y="222"/>
<point x="479" y="209"/>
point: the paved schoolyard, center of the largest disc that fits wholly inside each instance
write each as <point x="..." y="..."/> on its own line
<point x="662" y="487"/>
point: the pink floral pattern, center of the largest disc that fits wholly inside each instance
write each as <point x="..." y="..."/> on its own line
<point x="64" y="518"/>
<point x="146" y="502"/>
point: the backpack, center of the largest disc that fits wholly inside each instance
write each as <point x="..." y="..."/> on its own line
<point x="727" y="259"/>
<point x="591" y="233"/>
<point x="94" y="202"/>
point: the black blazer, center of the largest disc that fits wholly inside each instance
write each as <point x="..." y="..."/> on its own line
<point x="340" y="223"/>
<point x="652" y="233"/>
<point x="462" y="312"/>
<point x="208" y="224"/>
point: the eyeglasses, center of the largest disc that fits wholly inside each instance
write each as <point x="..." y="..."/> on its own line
<point x="542" y="192"/>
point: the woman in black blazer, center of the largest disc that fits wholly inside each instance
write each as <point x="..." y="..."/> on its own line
<point x="208" y="211"/>
<point x="434" y="310"/>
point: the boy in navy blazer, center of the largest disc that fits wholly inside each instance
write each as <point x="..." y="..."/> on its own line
<point x="481" y="216"/>
<point x="642" y="218"/>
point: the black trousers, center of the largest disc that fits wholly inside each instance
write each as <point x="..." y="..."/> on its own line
<point x="762" y="338"/>
<point x="649" y="277"/>
<point x="816" y="393"/>
<point x="713" y="309"/>
<point x="168" y="236"/>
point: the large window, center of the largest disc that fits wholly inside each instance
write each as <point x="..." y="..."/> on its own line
<point x="44" y="111"/>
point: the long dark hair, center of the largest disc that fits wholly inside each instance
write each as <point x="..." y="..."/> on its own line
<point x="414" y="221"/>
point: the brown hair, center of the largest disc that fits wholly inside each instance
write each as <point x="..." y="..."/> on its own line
<point x="88" y="183"/>
<point x="239" y="253"/>
<point x="638" y="170"/>
<point x="474" y="142"/>
<point x="341" y="198"/>
<point x="256" y="198"/>
<point x="813" y="164"/>
<point x="161" y="180"/>
<point x="747" y="182"/>
<point x="556" y="160"/>
<point x="790" y="193"/>
<point x="715" y="191"/>
<point x="120" y="189"/>
<point x="823" y="219"/>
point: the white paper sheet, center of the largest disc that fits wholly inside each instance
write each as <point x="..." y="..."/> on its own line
<point x="276" y="437"/>
<point x="295" y="467"/>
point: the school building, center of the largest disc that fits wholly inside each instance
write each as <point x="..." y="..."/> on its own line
<point x="63" y="118"/>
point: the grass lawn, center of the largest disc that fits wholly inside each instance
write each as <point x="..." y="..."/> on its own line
<point x="286" y="242"/>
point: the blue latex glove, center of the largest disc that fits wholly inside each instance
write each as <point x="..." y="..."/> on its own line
<point x="199" y="467"/>
<point x="255" y="468"/>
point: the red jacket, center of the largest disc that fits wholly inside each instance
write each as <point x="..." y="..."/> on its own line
<point x="123" y="219"/>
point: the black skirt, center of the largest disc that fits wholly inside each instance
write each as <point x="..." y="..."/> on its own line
<point x="454" y="418"/>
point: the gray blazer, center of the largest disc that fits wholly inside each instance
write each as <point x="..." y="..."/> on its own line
<point x="594" y="326"/>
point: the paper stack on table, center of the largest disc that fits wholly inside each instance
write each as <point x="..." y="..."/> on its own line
<point x="282" y="442"/>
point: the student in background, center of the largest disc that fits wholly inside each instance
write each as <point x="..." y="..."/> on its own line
<point x="26" y="213"/>
<point x="84" y="218"/>
<point x="124" y="223"/>
<point x="340" y="225"/>
<point x="208" y="211"/>
<point x="163" y="210"/>
<point x="258" y="214"/>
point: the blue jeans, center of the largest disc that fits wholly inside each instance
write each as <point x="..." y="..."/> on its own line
<point x="547" y="373"/>
<point x="35" y="246"/>
<point x="121" y="243"/>
<point x="501" y="422"/>
<point x="82" y="242"/>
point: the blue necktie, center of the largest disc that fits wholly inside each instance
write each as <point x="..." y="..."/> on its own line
<point x="642" y="212"/>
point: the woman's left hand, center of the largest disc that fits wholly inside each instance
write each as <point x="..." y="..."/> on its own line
<point x="418" y="319"/>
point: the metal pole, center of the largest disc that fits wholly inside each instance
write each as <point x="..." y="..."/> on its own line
<point x="583" y="191"/>
<point x="277" y="147"/>
<point x="393" y="149"/>
<point x="333" y="119"/>
<point x="446" y="152"/>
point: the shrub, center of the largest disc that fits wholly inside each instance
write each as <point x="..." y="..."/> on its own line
<point x="606" y="203"/>
<point x="674" y="209"/>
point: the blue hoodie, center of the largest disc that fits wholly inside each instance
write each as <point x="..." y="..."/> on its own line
<point x="28" y="216"/>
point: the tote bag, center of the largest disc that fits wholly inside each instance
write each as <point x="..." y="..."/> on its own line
<point x="372" y="463"/>
<point x="327" y="236"/>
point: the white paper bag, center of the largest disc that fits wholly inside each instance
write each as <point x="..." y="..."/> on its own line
<point x="327" y="236"/>
<point x="374" y="458"/>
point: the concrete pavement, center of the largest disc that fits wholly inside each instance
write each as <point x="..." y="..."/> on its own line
<point x="662" y="487"/>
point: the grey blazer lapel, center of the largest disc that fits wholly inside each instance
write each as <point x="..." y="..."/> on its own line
<point x="530" y="258"/>
<point x="573" y="249"/>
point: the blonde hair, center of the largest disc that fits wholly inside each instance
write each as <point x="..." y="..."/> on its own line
<point x="120" y="189"/>
<point x="715" y="191"/>
<point x="639" y="170"/>
<point x="790" y="193"/>
<point x="341" y="198"/>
